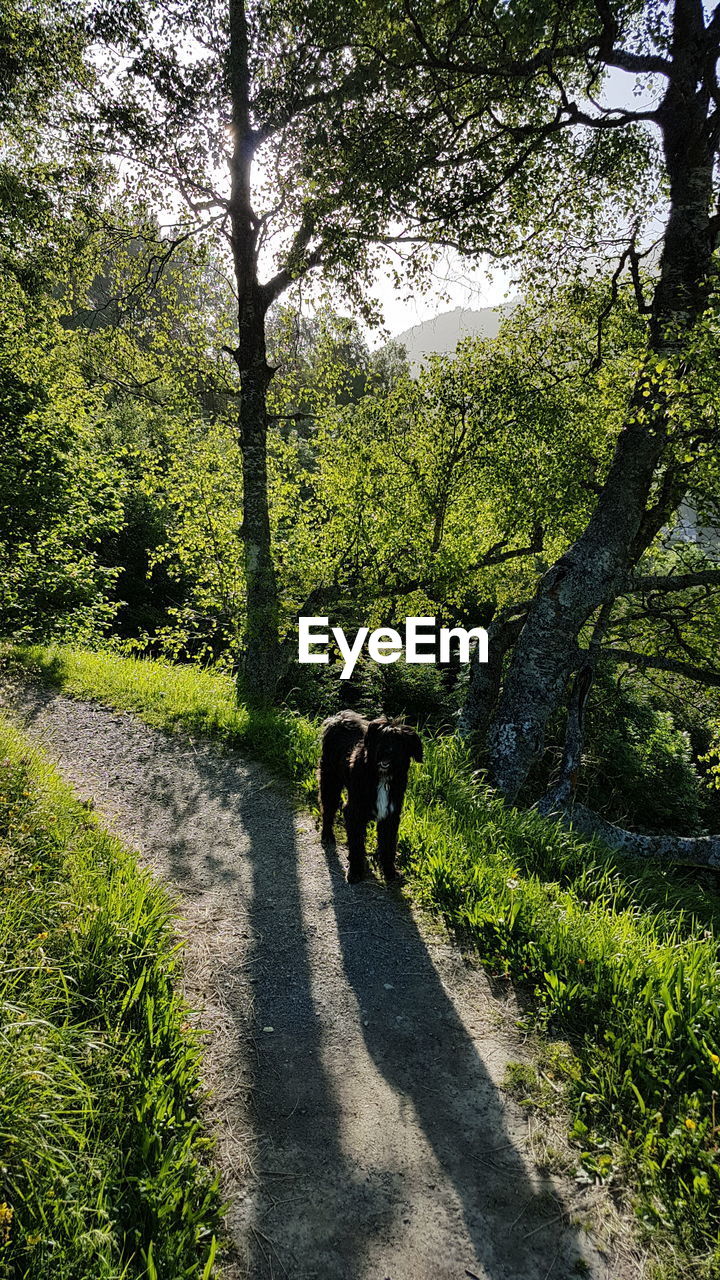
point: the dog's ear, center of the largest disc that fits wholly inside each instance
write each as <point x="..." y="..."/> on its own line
<point x="416" y="748"/>
<point x="372" y="736"/>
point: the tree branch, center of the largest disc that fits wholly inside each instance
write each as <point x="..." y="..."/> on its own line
<point x="701" y="675"/>
<point x="673" y="487"/>
<point x="544" y="59"/>
<point x="297" y="264"/>
<point x="687" y="851"/>
<point x="355" y="81"/>
<point x="494" y="555"/>
<point x="638" y="62"/>
<point x="671" y="581"/>
<point x="626" y="61"/>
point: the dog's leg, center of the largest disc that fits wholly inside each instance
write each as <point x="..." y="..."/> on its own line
<point x="355" y="827"/>
<point x="330" y="793"/>
<point x="387" y="833"/>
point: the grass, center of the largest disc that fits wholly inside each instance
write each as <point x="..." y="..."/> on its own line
<point x="618" y="958"/>
<point x="621" y="959"/>
<point x="104" y="1167"/>
<point x="183" y="698"/>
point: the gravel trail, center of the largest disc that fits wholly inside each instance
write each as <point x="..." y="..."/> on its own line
<point x="353" y="1057"/>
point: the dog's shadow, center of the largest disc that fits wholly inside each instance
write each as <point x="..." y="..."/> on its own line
<point x="311" y="1197"/>
<point x="421" y="1045"/>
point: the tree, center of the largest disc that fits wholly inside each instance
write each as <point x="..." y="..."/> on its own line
<point x="169" y="405"/>
<point x="58" y="495"/>
<point x="515" y="154"/>
<point x="210" y="104"/>
<point x="444" y="494"/>
<point x="44" y="181"/>
<point x="647" y="477"/>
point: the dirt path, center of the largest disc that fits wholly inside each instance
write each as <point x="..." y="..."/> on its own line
<point x="354" y="1058"/>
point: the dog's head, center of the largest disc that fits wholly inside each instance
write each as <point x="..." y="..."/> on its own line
<point x="391" y="747"/>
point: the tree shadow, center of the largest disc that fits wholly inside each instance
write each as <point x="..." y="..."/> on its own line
<point x="423" y="1049"/>
<point x="326" y="973"/>
<point x="305" y="1182"/>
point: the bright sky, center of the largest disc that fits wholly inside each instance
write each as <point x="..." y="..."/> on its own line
<point x="456" y="282"/>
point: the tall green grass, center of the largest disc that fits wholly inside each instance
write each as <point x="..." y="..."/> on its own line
<point x="619" y="958"/>
<point x="104" y="1167"/>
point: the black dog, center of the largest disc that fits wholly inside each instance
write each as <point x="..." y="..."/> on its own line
<point x="371" y="759"/>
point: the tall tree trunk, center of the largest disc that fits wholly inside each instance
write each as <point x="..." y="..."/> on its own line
<point x="261" y="654"/>
<point x="590" y="572"/>
<point x="259" y="670"/>
<point x="486" y="677"/>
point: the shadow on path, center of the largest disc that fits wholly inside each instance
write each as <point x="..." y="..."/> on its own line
<point x="421" y="1046"/>
<point x="380" y="1148"/>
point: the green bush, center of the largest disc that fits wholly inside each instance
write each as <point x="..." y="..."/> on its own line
<point x="58" y="493"/>
<point x="417" y="693"/>
<point x="639" y="766"/>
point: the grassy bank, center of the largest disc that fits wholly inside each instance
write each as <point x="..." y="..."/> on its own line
<point x="104" y="1168"/>
<point x="621" y="960"/>
<point x="177" y="698"/>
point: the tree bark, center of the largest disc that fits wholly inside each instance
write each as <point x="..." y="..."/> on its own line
<point x="486" y="677"/>
<point x="643" y="661"/>
<point x="593" y="570"/>
<point x="261" y="657"/>
<point x="260" y="664"/>
<point x="688" y="851"/>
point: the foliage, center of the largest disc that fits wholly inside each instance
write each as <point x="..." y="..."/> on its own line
<point x="479" y="135"/>
<point x="419" y="496"/>
<point x="39" y="44"/>
<point x="424" y="695"/>
<point x="147" y="352"/>
<point x="642" y="761"/>
<point x="58" y="494"/>
<point x="323" y="361"/>
<point x="639" y="769"/>
<point x="105" y="1164"/>
<point x="622" y="958"/>
<point x="44" y="187"/>
<point x="179" y="549"/>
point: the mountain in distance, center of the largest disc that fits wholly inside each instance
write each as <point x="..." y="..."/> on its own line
<point x="441" y="334"/>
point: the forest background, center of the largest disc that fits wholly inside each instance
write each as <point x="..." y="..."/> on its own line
<point x="193" y="458"/>
<point x="204" y="436"/>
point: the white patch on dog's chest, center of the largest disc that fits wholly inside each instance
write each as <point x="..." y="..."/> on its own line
<point x="383" y="803"/>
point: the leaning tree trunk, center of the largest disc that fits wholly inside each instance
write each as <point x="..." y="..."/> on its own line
<point x="685" y="851"/>
<point x="590" y="572"/>
<point x="486" y="677"/>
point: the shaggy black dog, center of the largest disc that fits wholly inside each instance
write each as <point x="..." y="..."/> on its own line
<point x="371" y="759"/>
